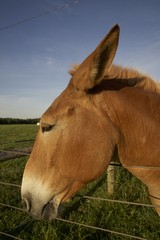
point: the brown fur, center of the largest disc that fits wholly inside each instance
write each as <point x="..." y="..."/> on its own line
<point x="105" y="109"/>
<point x="129" y="76"/>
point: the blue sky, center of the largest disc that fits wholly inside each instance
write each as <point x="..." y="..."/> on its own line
<point x="35" y="56"/>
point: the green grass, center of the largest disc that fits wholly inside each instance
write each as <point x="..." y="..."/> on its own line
<point x="17" y="136"/>
<point x="133" y="220"/>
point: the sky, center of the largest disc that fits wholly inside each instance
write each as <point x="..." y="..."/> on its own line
<point x="40" y="40"/>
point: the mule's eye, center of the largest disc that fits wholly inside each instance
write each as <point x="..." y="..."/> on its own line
<point x="46" y="127"/>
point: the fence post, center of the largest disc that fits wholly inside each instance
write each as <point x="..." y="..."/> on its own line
<point x="110" y="179"/>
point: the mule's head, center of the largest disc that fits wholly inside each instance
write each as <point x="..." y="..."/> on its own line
<point x="75" y="141"/>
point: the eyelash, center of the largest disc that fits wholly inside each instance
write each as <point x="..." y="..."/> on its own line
<point x="47" y="128"/>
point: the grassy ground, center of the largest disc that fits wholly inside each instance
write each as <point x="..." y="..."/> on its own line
<point x="133" y="220"/>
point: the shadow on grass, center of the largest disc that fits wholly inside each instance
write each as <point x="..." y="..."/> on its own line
<point x="78" y="199"/>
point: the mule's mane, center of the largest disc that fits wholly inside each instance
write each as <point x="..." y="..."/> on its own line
<point x="127" y="77"/>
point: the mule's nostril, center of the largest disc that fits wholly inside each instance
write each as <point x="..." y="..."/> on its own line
<point x="26" y="203"/>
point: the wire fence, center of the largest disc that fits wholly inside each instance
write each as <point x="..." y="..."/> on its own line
<point x="24" y="153"/>
<point x="77" y="223"/>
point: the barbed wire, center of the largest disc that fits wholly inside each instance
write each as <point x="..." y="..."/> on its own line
<point x="64" y="6"/>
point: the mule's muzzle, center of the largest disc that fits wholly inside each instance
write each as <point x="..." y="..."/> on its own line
<point x="48" y="211"/>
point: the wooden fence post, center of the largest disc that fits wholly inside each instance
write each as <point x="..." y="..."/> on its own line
<point x="110" y="179"/>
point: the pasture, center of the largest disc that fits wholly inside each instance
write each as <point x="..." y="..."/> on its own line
<point x="139" y="221"/>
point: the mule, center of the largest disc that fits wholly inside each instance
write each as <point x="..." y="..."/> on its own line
<point x="105" y="109"/>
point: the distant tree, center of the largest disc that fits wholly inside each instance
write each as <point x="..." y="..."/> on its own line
<point x="19" y="121"/>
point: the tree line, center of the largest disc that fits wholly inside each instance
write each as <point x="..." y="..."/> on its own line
<point x="19" y="121"/>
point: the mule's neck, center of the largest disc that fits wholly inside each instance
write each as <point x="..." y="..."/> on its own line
<point x="122" y="96"/>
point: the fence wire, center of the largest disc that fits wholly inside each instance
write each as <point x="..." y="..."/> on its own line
<point x="95" y="198"/>
<point x="11" y="236"/>
<point x="22" y="153"/>
<point x="75" y="223"/>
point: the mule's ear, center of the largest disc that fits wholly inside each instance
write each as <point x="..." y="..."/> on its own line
<point x="103" y="55"/>
<point x="94" y="67"/>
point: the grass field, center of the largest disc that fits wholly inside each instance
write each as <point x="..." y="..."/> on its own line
<point x="134" y="220"/>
